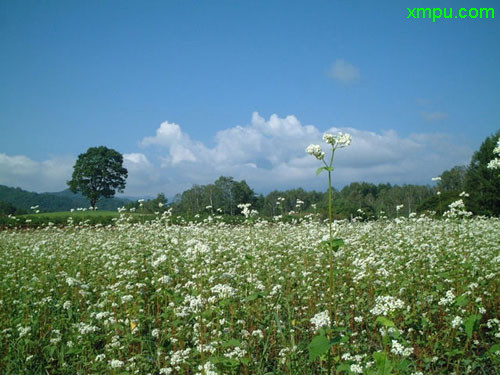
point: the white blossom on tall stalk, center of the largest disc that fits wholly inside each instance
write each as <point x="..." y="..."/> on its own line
<point x="316" y="151"/>
<point x="335" y="141"/>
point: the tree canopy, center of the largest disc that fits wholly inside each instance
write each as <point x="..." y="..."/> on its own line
<point x="483" y="183"/>
<point x="98" y="173"/>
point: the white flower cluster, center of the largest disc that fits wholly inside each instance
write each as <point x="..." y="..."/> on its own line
<point x="316" y="151"/>
<point x="448" y="300"/>
<point x="246" y="211"/>
<point x="223" y="291"/>
<point x="116" y="363"/>
<point x="338" y="141"/>
<point x="207" y="369"/>
<point x="457" y="209"/>
<point x="321" y="319"/>
<point x="179" y="357"/>
<point x="23" y="331"/>
<point x="495" y="163"/>
<point x="385" y="305"/>
<point x="84" y="328"/>
<point x="457" y="322"/>
<point x="399" y="349"/>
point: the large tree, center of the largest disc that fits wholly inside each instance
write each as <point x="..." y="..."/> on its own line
<point x="98" y="173"/>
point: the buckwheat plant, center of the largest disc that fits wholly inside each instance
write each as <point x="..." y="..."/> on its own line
<point x="320" y="344"/>
<point x="495" y="163"/>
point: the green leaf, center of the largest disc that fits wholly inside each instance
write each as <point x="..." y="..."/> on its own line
<point x="245" y="361"/>
<point x="495" y="348"/>
<point x="385" y="322"/>
<point x="337" y="242"/>
<point x="470" y="323"/>
<point x="229" y="362"/>
<point x="319" y="170"/>
<point x="462" y="300"/>
<point x="232" y="342"/>
<point x="384" y="365"/>
<point x="318" y="346"/>
<point x="253" y="297"/>
<point x="344" y="367"/>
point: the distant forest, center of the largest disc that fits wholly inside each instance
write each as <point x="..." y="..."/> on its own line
<point x="19" y="201"/>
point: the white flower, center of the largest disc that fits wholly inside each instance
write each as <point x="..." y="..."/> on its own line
<point x="457" y="321"/>
<point x="321" y="319"/>
<point x="127" y="298"/>
<point x="329" y="138"/>
<point x="494" y="164"/>
<point x="399" y="349"/>
<point x="338" y="141"/>
<point x="115" y="363"/>
<point x="356" y="368"/>
<point x="315" y="150"/>
<point x="386" y="304"/>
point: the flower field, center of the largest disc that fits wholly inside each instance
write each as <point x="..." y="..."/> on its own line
<point x="410" y="296"/>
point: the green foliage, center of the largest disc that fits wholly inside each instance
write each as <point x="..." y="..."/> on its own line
<point x="383" y="363"/>
<point x="98" y="173"/>
<point x="319" y="345"/>
<point x="453" y="180"/>
<point x="221" y="197"/>
<point x="53" y="202"/>
<point x="483" y="183"/>
<point x="385" y="322"/>
<point x="150" y="206"/>
<point x="438" y="203"/>
<point x="8" y="209"/>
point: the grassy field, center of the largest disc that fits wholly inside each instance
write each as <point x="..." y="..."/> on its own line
<point x="66" y="217"/>
<point x="410" y="296"/>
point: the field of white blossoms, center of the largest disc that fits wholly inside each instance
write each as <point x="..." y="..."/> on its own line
<point x="410" y="296"/>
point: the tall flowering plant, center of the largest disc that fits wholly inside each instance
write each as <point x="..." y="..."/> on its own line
<point x="335" y="141"/>
<point x="495" y="162"/>
<point x="325" y="340"/>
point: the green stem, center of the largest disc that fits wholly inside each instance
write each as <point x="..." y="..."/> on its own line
<point x="330" y="251"/>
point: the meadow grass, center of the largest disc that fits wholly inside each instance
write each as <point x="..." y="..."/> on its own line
<point x="63" y="218"/>
<point x="412" y="296"/>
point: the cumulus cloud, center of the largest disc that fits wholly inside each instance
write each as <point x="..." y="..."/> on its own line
<point x="47" y="175"/>
<point x="268" y="153"/>
<point x="143" y="176"/>
<point x="344" y="72"/>
<point x="179" y="144"/>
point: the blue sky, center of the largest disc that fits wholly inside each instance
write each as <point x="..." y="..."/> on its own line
<point x="189" y="90"/>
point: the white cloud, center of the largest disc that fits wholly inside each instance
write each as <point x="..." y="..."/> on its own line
<point x="344" y="71"/>
<point x="180" y="145"/>
<point x="47" y="175"/>
<point x="268" y="153"/>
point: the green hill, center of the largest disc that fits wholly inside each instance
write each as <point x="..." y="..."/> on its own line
<point x="52" y="202"/>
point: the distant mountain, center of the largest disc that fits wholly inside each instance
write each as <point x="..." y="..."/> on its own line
<point x="50" y="202"/>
